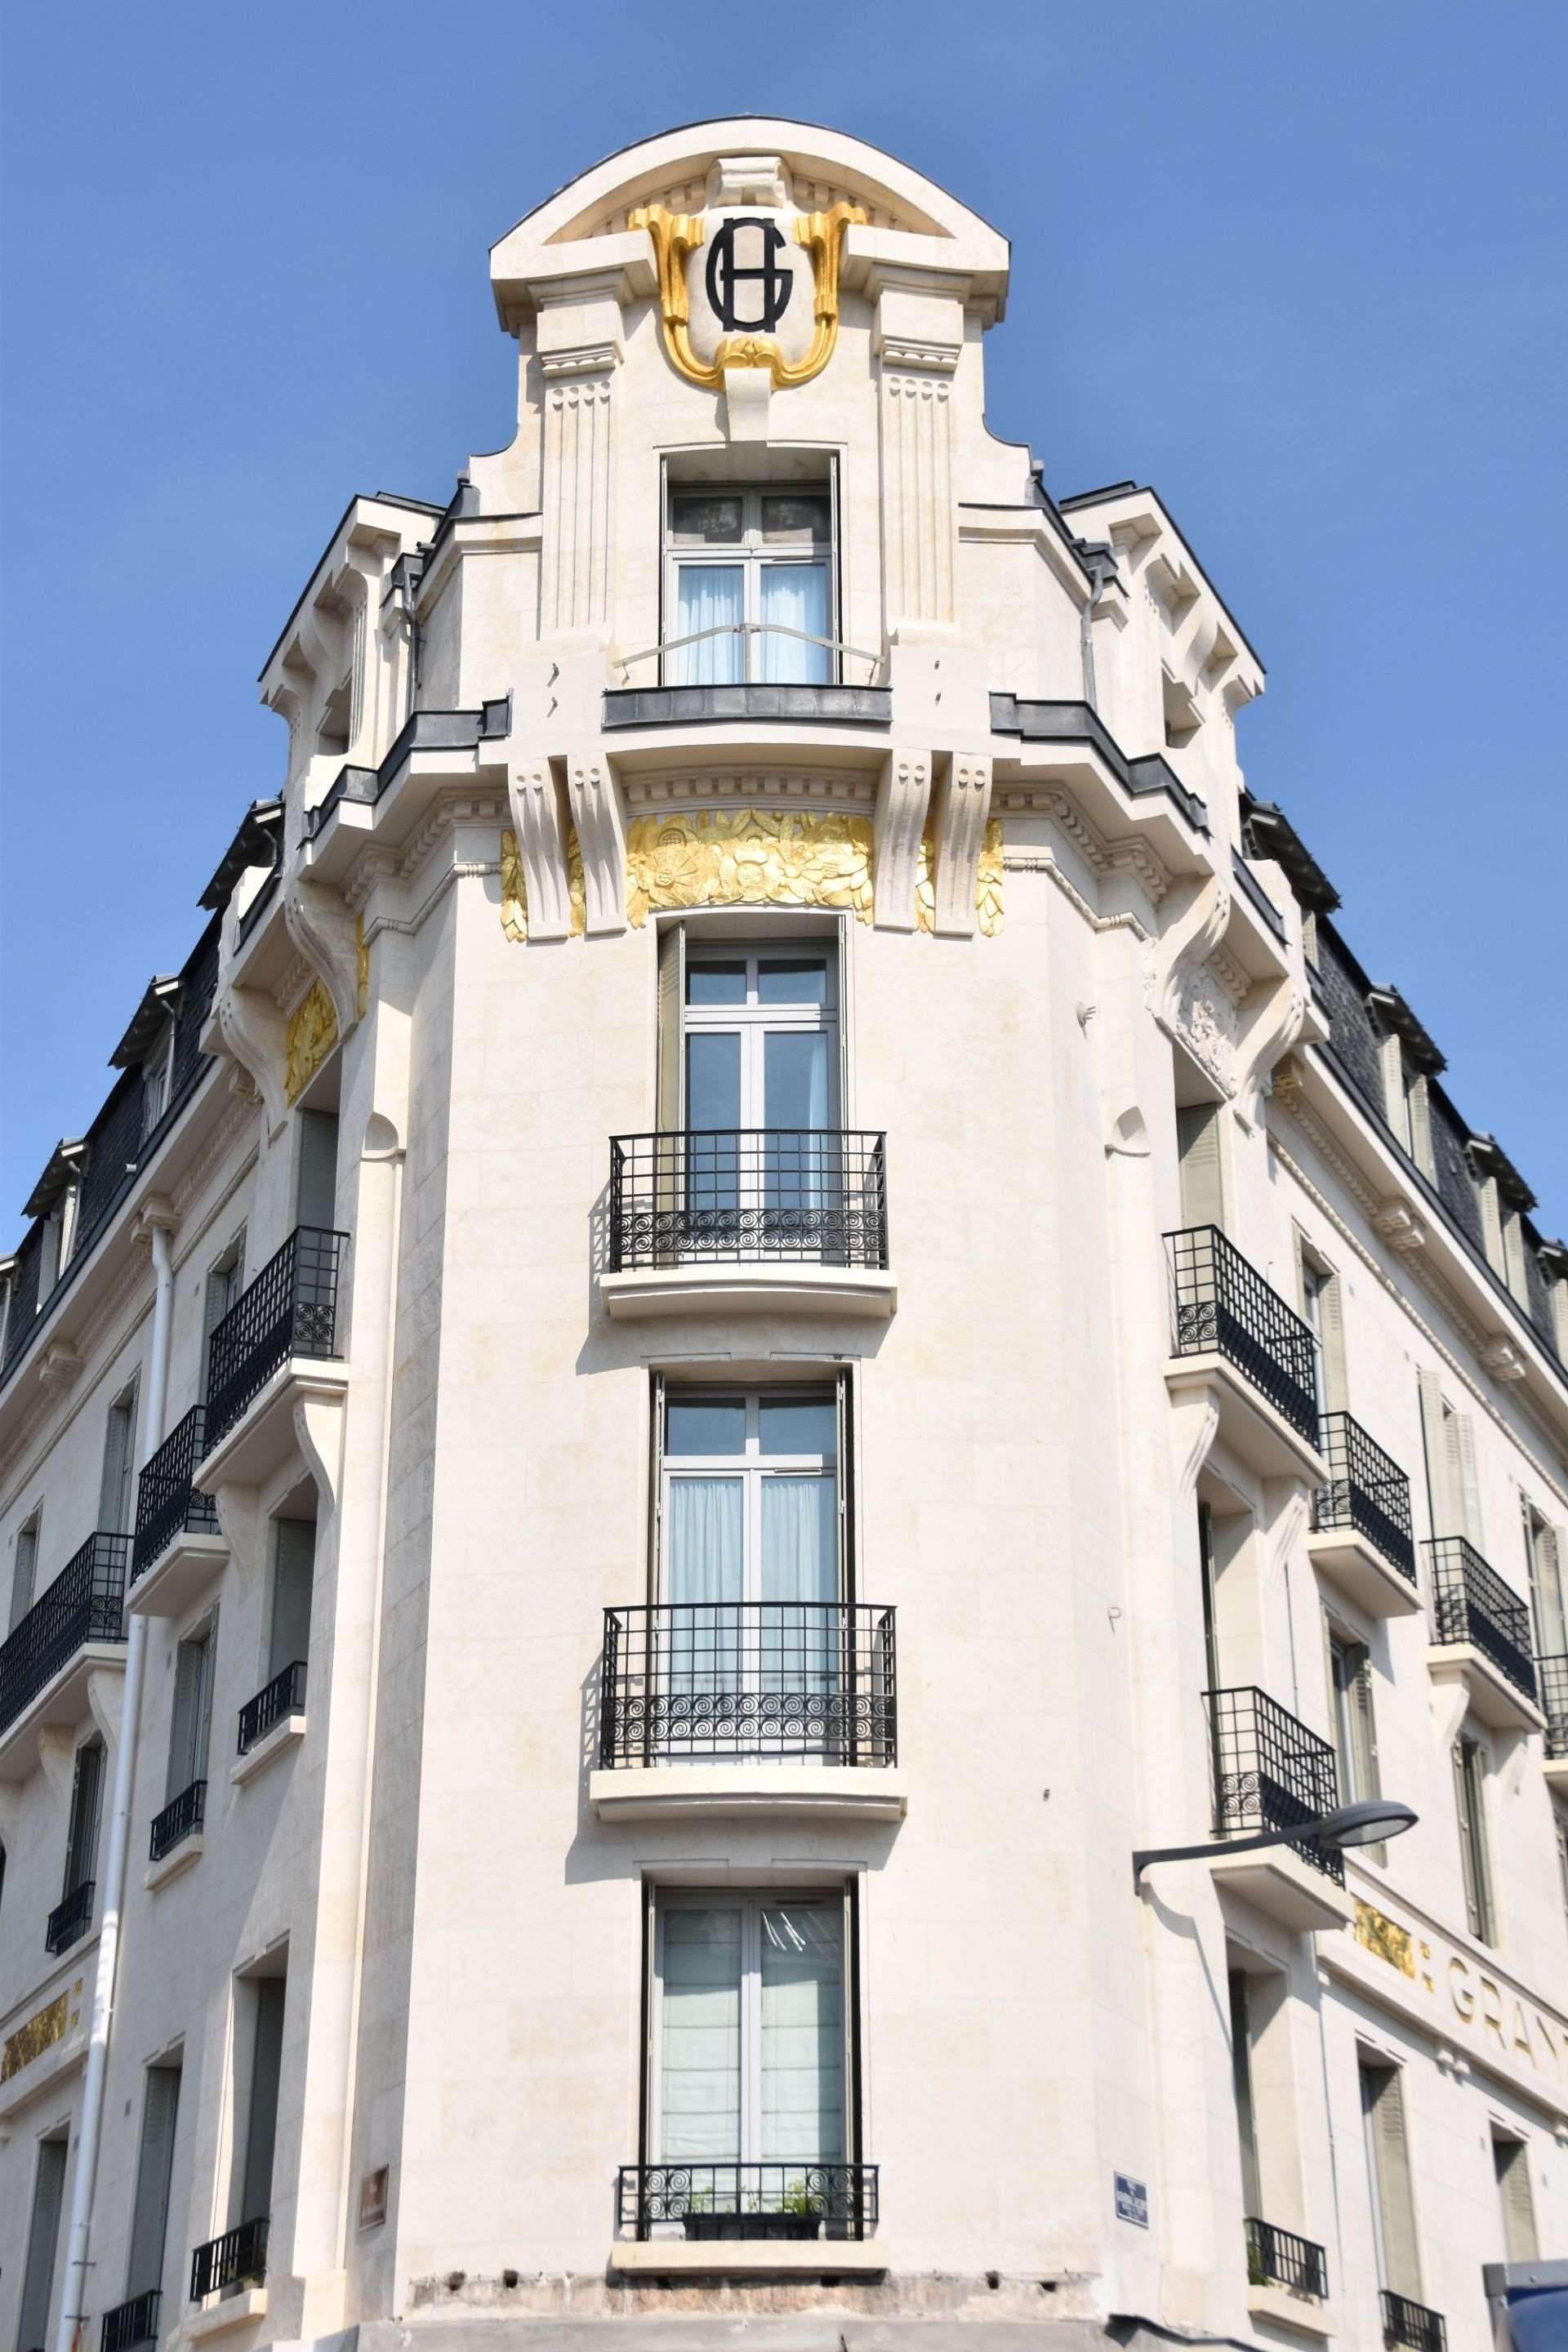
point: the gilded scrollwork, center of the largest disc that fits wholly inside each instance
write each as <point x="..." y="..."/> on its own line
<point x="514" y="887"/>
<point x="1386" y="1937"/>
<point x="311" y="1035"/>
<point x="730" y="857"/>
<point x="676" y="236"/>
<point x="988" y="912"/>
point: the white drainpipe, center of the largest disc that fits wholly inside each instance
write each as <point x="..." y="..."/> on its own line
<point x="84" y="2179"/>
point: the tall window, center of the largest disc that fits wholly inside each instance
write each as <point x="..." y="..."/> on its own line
<point x="1354" y="1727"/>
<point x="1469" y="1805"/>
<point x="1206" y="1571"/>
<point x="1241" y="2081"/>
<point x="1510" y="2162"/>
<point x="119" y="1465"/>
<point x="1543" y="1559"/>
<point x="1322" y="1312"/>
<point x="155" y="2170"/>
<point x="24" y="1569"/>
<point x="191" y="1725"/>
<point x="1198" y="1155"/>
<point x="43" y="2241"/>
<point x="1388" y="2169"/>
<point x="750" y="2059"/>
<point x="749" y="585"/>
<point x="260" y="2010"/>
<point x="761" y="1035"/>
<point x="293" y="1585"/>
<point x="316" y="1171"/>
<point x="226" y="1280"/>
<point x="81" y="1837"/>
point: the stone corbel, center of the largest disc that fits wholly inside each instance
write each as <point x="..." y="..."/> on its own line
<point x="1504" y="1360"/>
<point x="253" y="1032"/>
<point x="961" y="806"/>
<point x="598" y="813"/>
<point x="1196" y="927"/>
<point x="1268" y="1033"/>
<point x="106" y="1700"/>
<point x="319" y="1434"/>
<point x="323" y="930"/>
<point x="1194" y="1424"/>
<point x="156" y="1214"/>
<point x="58" y="1366"/>
<point x="244" y="1529"/>
<point x="56" y="1755"/>
<point x="1449" y="1701"/>
<point x="1399" y="1228"/>
<point x="903" y="801"/>
<point x="539" y="822"/>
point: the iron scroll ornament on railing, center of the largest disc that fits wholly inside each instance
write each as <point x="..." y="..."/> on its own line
<point x="748" y="1195"/>
<point x="795" y="2198"/>
<point x="760" y="1682"/>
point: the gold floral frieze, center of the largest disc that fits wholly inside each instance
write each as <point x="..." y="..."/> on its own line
<point x="312" y="1034"/>
<point x="733" y="857"/>
<point x="361" y="967"/>
<point x="987" y="882"/>
<point x="514" y="887"/>
<point x="1385" y="1937"/>
<point x="41" y="2033"/>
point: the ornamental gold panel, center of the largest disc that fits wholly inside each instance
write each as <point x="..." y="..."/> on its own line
<point x="1385" y="1937"/>
<point x="51" y="2024"/>
<point x="361" y="967"/>
<point x="733" y="857"/>
<point x="514" y="887"/>
<point x="312" y="1034"/>
<point x="987" y="882"/>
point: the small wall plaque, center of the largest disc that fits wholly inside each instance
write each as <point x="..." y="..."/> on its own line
<point x="1132" y="2200"/>
<point x="373" y="2199"/>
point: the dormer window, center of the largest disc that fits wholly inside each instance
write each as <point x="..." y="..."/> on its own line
<point x="750" y="585"/>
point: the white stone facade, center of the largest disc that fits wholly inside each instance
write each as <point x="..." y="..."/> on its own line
<point x="1069" y="991"/>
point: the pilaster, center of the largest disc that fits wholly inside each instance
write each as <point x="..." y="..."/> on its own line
<point x="919" y="338"/>
<point x="578" y="350"/>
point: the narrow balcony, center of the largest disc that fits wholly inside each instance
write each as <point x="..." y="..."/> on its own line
<point x="130" y="2323"/>
<point x="1552" y="1682"/>
<point x="273" y="1719"/>
<point x="276" y="1347"/>
<point x="779" y="2217"/>
<point x="752" y="1707"/>
<point x="1412" y="2324"/>
<point x="1481" y="1637"/>
<point x="1287" y="2276"/>
<point x="178" y="1821"/>
<point x="76" y="1628"/>
<point x="1361" y="1534"/>
<point x="178" y="1547"/>
<point x="237" y="2259"/>
<point x="727" y="1220"/>
<point x="1270" y="1772"/>
<point x="70" y="1920"/>
<point x="1233" y="1337"/>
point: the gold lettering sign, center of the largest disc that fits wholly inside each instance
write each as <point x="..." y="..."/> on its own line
<point x="987" y="882"/>
<point x="514" y="887"/>
<point x="1386" y="1937"/>
<point x="733" y="857"/>
<point x="312" y="1034"/>
<point x="41" y="2033"/>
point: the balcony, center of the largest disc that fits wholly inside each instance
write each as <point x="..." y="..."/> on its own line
<point x="75" y="1629"/>
<point x="730" y="1221"/>
<point x="1551" y="1683"/>
<point x="776" y="2218"/>
<point x="1481" y="1637"/>
<point x="1235" y="1338"/>
<point x="707" y="706"/>
<point x="130" y="2323"/>
<point x="746" y="1708"/>
<point x="237" y="2259"/>
<point x="179" y="1821"/>
<point x="272" y="1720"/>
<point x="276" y="1347"/>
<point x="1412" y="2324"/>
<point x="1287" y="2278"/>
<point x="178" y="1547"/>
<point x="1270" y="1772"/>
<point x="69" y="1921"/>
<point x="1361" y="1534"/>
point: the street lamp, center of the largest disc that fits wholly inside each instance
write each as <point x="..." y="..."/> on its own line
<point x="1366" y="1824"/>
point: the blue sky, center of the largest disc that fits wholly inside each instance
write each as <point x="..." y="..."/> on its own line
<point x="1301" y="267"/>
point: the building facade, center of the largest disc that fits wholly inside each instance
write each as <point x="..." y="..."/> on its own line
<point x="771" y="1290"/>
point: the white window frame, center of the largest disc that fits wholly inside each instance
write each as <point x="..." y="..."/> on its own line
<point x="749" y="1469"/>
<point x="752" y="555"/>
<point x="753" y="1022"/>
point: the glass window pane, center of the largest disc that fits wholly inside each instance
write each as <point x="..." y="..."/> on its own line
<point x="795" y="514"/>
<point x="716" y="984"/>
<point x="791" y="980"/>
<point x="713" y="1079"/>
<point x="699" y="2074"/>
<point x="802" y="2019"/>
<point x="794" y="597"/>
<point x="704" y="519"/>
<point x="709" y="596"/>
<point x="793" y="1426"/>
<point x="707" y="1425"/>
<point x="795" y="1078"/>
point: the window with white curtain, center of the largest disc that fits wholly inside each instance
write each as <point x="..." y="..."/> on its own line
<point x="751" y="2032"/>
<point x="749" y="587"/>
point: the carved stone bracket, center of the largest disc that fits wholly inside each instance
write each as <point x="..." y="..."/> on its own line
<point x="1450" y="1699"/>
<point x="1400" y="1226"/>
<point x="106" y="1699"/>
<point x="253" y="1034"/>
<point x="319" y="1432"/>
<point x="959" y="807"/>
<point x="1504" y="1359"/>
<point x="56" y="1755"/>
<point x="1194" y="1424"/>
<point x="58" y="1366"/>
<point x="598" y="813"/>
<point x="1269" y="1030"/>
<point x="1196" y="926"/>
<point x="539" y="821"/>
<point x="323" y="930"/>
<point x="244" y="1529"/>
<point x="904" y="798"/>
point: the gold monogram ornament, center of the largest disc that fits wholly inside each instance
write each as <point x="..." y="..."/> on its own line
<point x="676" y="235"/>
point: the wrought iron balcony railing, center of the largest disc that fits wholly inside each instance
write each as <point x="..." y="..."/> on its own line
<point x="1412" y="2324"/>
<point x="1470" y="1602"/>
<point x="236" y="2258"/>
<point x="1221" y="1304"/>
<point x="290" y="1309"/>
<point x="764" y="1682"/>
<point x="813" y="1195"/>
<point x="178" y="1821"/>
<point x="167" y="1502"/>
<point x="69" y="1921"/>
<point x="1366" y="1491"/>
<point x="132" y="2323"/>
<point x="85" y="1603"/>
<point x="780" y="2199"/>
<point x="1270" y="1773"/>
<point x="1279" y="2258"/>
<point x="284" y="1696"/>
<point x="1551" y="1681"/>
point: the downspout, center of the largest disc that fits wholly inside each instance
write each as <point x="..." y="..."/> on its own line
<point x="1097" y="562"/>
<point x="90" y="2129"/>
